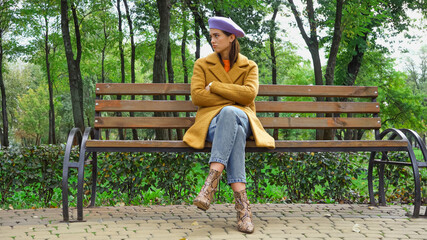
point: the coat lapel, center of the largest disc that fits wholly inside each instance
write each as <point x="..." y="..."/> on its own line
<point x="217" y="69"/>
<point x="233" y="75"/>
<point x="239" y="68"/>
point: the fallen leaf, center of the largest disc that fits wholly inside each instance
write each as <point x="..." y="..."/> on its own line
<point x="356" y="228"/>
<point x="370" y="207"/>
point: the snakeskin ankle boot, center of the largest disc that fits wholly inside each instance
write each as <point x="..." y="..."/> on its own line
<point x="206" y="194"/>
<point x="244" y="214"/>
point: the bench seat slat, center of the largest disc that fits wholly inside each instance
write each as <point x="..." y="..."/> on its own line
<point x="267" y="122"/>
<point x="250" y="144"/>
<point x="261" y="106"/>
<point x="264" y="90"/>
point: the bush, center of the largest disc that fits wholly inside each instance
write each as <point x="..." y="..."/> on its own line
<point x="31" y="177"/>
<point x="30" y="171"/>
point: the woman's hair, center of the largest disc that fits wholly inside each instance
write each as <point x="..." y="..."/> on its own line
<point x="234" y="51"/>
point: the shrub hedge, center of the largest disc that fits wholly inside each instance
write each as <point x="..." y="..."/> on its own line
<point x="31" y="177"/>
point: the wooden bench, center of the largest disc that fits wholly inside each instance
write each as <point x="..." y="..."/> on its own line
<point x="355" y="108"/>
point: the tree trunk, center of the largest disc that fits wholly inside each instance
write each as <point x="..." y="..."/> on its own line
<point x="52" y="138"/>
<point x="355" y="63"/>
<point x="198" y="19"/>
<point x="122" y="63"/>
<point x="103" y="54"/>
<point x="5" y="132"/>
<point x="329" y="134"/>
<point x="132" y="60"/>
<point x="311" y="42"/>
<point x="336" y="39"/>
<point x="104" y="47"/>
<point x="197" y="33"/>
<point x="75" y="79"/>
<point x="313" y="46"/>
<point x="273" y="58"/>
<point x="183" y="55"/>
<point x="171" y="77"/>
<point x="160" y="57"/>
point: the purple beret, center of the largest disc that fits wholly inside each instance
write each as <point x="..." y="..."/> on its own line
<point x="226" y="24"/>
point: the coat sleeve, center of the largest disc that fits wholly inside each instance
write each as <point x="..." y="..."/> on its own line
<point x="242" y="94"/>
<point x="199" y="95"/>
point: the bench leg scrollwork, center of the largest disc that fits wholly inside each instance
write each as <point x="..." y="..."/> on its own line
<point x="76" y="136"/>
<point x="404" y="134"/>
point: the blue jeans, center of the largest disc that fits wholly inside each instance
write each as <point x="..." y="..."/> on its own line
<point x="228" y="132"/>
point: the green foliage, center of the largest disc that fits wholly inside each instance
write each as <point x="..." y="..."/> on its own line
<point x="31" y="177"/>
<point x="400" y="106"/>
<point x="135" y="173"/>
<point x="35" y="104"/>
<point x="303" y="174"/>
<point x="399" y="182"/>
<point x="30" y="171"/>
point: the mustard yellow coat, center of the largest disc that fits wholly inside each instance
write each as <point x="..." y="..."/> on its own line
<point x="238" y="88"/>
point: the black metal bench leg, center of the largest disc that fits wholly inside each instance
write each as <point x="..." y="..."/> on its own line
<point x="65" y="214"/>
<point x="80" y="180"/>
<point x="75" y="135"/>
<point x="417" y="183"/>
<point x="94" y="178"/>
<point x="381" y="185"/>
<point x="414" y="161"/>
<point x="370" y="180"/>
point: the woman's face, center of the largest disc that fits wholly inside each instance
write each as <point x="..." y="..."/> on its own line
<point x="221" y="43"/>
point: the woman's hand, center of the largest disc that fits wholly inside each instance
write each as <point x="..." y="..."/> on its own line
<point x="208" y="87"/>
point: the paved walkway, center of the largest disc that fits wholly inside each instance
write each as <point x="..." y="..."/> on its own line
<point x="179" y="222"/>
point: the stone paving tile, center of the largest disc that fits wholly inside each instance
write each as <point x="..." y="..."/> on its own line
<point x="272" y="221"/>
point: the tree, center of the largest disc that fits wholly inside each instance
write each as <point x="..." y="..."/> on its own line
<point x="74" y="73"/>
<point x="417" y="78"/>
<point x="313" y="46"/>
<point x="38" y="15"/>
<point x="160" y="57"/>
<point x="132" y="61"/>
<point x="272" y="38"/>
<point x="122" y="61"/>
<point x="33" y="116"/>
<point x="184" y="48"/>
<point x="336" y="40"/>
<point x="199" y="22"/>
<point x="365" y="23"/>
<point x="312" y="40"/>
<point x="5" y="19"/>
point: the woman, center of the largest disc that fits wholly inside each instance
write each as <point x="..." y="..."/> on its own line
<point x="224" y="86"/>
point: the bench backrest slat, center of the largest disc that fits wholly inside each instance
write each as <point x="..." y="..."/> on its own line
<point x="261" y="106"/>
<point x="353" y="107"/>
<point x="268" y="122"/>
<point x="264" y="90"/>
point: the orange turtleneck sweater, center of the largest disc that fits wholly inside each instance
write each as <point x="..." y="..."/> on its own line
<point x="226" y="65"/>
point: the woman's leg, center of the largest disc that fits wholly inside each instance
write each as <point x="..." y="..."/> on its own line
<point x="236" y="169"/>
<point x="227" y="131"/>
<point x="237" y="179"/>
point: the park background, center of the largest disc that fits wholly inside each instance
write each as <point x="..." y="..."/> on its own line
<point x="52" y="53"/>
